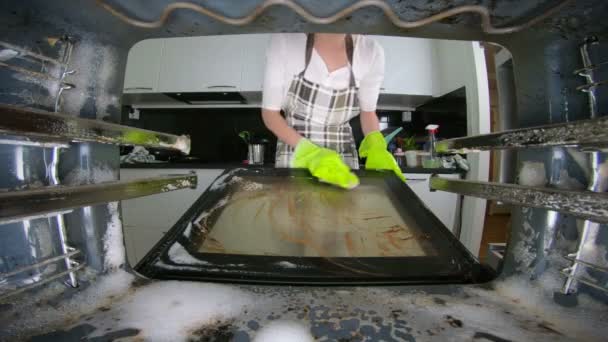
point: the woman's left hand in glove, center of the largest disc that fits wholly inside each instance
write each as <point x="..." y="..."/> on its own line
<point x="374" y="149"/>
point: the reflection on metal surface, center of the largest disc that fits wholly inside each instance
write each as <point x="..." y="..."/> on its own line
<point x="593" y="67"/>
<point x="28" y="72"/>
<point x="582" y="204"/>
<point x="586" y="134"/>
<point x="65" y="72"/>
<point x="30" y="53"/>
<point x="41" y="263"/>
<point x="75" y="267"/>
<point x="39" y="142"/>
<point x="36" y="123"/>
<point x="53" y="175"/>
<point x="49" y="199"/>
<point x="572" y="257"/>
<point x="35" y="217"/>
<point x="286" y="217"/>
<point x="482" y="11"/>
<point x="590" y="228"/>
<point x="584" y="280"/>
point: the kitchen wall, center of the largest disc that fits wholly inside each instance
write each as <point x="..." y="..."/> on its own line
<point x="464" y="63"/>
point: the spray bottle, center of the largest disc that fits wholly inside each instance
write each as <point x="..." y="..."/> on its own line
<point x="433" y="162"/>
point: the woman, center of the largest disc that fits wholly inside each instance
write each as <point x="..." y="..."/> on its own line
<point x="321" y="81"/>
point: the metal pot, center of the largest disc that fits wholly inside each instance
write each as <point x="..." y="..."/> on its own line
<point x="255" y="154"/>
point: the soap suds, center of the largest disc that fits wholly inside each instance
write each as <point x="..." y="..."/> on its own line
<point x="113" y="243"/>
<point x="188" y="230"/>
<point x="168" y="187"/>
<point x="220" y="182"/>
<point x="522" y="249"/>
<point x="532" y="174"/>
<point x="179" y="255"/>
<point x="252" y="186"/>
<point x="568" y="183"/>
<point x="34" y="97"/>
<point x="96" y="68"/>
<point x="97" y="174"/>
<point x="101" y="292"/>
<point x="173" y="310"/>
<point x="281" y="331"/>
<point x="218" y="205"/>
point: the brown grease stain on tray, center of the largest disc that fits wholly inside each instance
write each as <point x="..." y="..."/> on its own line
<point x="295" y="218"/>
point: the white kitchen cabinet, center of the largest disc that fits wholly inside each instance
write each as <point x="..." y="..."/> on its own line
<point x="143" y="66"/>
<point x="409" y="65"/>
<point x="237" y="63"/>
<point x="147" y="219"/>
<point x="254" y="61"/>
<point x="201" y="64"/>
<point x="445" y="205"/>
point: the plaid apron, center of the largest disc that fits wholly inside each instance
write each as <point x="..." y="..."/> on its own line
<point x="321" y="114"/>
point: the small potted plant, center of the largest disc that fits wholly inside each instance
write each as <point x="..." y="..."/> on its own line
<point x="408" y="145"/>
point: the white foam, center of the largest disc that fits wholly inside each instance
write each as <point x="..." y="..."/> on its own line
<point x="96" y="68"/>
<point x="172" y="310"/>
<point x="188" y="230"/>
<point x="532" y="174"/>
<point x="220" y="182"/>
<point x="179" y="255"/>
<point x="218" y="205"/>
<point x="281" y="331"/>
<point x="97" y="174"/>
<point x="567" y="182"/>
<point x="113" y="243"/>
<point x="252" y="186"/>
<point x="102" y="292"/>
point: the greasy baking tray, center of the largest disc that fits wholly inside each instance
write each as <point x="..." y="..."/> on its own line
<point x="282" y="226"/>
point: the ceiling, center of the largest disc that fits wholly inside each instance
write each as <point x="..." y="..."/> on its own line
<point x="575" y="19"/>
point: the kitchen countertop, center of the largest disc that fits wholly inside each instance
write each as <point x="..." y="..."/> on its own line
<point x="225" y="165"/>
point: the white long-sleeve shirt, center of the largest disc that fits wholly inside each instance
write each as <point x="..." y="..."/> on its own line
<point x="285" y="58"/>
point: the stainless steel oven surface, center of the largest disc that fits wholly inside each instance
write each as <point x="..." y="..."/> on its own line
<point x="278" y="225"/>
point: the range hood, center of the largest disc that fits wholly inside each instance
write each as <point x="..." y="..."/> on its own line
<point x="233" y="99"/>
<point x="202" y="98"/>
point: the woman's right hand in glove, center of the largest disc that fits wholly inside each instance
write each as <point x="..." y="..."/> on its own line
<point x="324" y="164"/>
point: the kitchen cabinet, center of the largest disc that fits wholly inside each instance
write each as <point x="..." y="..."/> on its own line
<point x="147" y="219"/>
<point x="201" y="64"/>
<point x="143" y="66"/>
<point x="446" y="206"/>
<point x="254" y="61"/>
<point x="236" y="63"/>
<point x="409" y="65"/>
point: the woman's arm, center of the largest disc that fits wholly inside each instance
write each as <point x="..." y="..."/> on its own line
<point x="369" y="90"/>
<point x="369" y="122"/>
<point x="274" y="92"/>
<point x="277" y="125"/>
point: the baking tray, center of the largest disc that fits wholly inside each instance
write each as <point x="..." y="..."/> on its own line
<point x="281" y="226"/>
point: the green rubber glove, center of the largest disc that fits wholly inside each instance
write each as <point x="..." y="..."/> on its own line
<point x="324" y="164"/>
<point x="373" y="147"/>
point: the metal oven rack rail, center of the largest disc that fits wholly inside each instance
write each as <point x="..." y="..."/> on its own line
<point x="30" y="127"/>
<point x="587" y="135"/>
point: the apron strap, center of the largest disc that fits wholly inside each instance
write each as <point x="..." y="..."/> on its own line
<point x="348" y="39"/>
<point x="310" y="43"/>
<point x="349" y="54"/>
